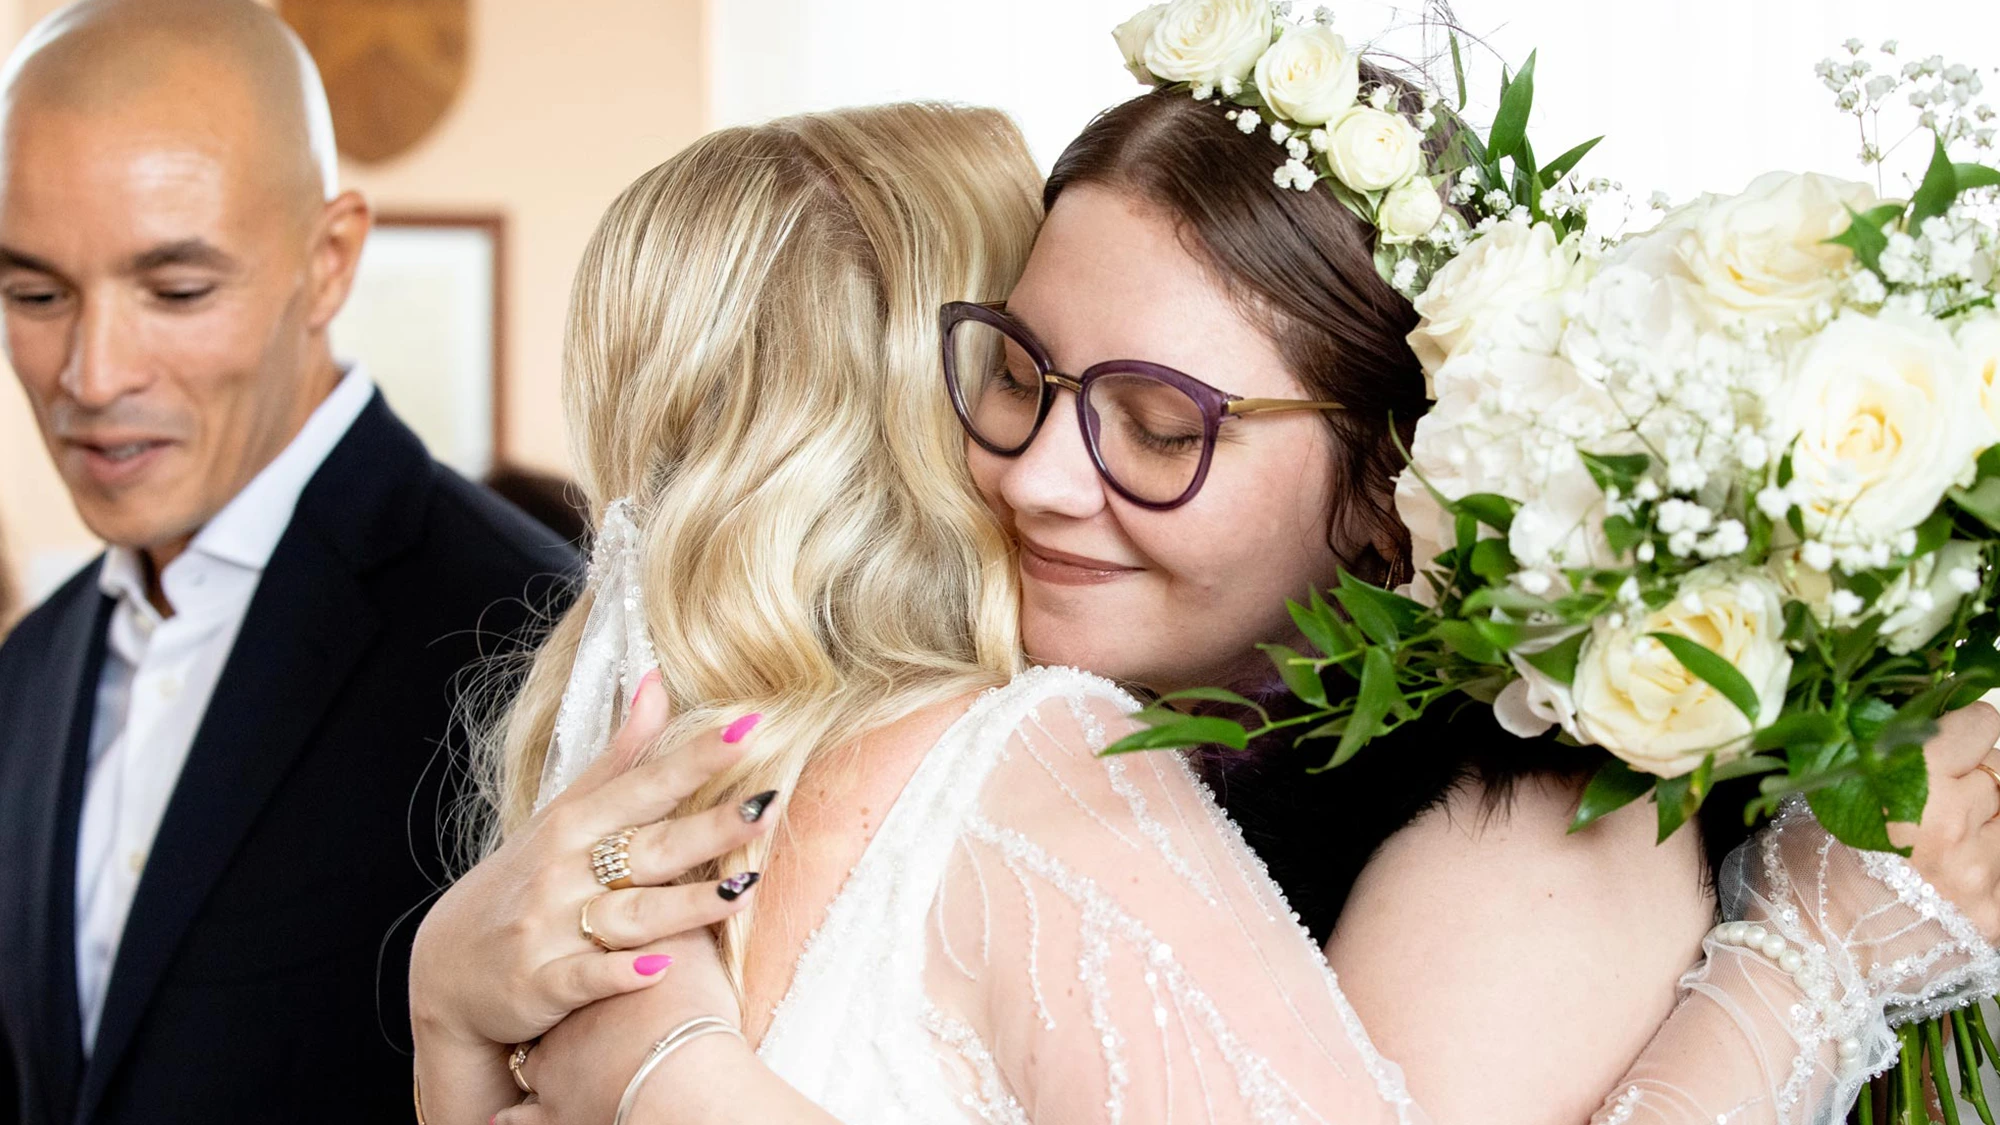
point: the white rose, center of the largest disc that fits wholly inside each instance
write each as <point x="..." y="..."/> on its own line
<point x="1924" y="596"/>
<point x="1481" y="294"/>
<point x="1205" y="42"/>
<point x="1132" y="37"/>
<point x="1762" y="256"/>
<point x="1637" y="701"/>
<point x="1510" y="422"/>
<point x="1886" y="414"/>
<point x="1979" y="339"/>
<point x="1309" y="75"/>
<point x="1370" y="150"/>
<point x="1410" y="210"/>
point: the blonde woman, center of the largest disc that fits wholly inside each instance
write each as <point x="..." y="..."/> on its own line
<point x="752" y="361"/>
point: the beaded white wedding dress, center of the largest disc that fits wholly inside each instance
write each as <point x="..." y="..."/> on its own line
<point x="1038" y="934"/>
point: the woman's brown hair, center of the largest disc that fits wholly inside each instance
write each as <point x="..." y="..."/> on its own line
<point x="1302" y="265"/>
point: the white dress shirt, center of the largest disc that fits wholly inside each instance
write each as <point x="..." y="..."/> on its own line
<point x="159" y="673"/>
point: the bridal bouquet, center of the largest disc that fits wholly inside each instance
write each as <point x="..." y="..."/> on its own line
<point x="1721" y="498"/>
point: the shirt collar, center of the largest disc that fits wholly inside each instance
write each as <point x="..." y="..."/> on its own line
<point x="247" y="529"/>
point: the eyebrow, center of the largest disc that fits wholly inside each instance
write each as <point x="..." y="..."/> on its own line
<point x="12" y="259"/>
<point x="186" y="252"/>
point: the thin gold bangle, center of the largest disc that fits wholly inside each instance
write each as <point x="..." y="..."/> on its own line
<point x="673" y="1041"/>
<point x="417" y="1093"/>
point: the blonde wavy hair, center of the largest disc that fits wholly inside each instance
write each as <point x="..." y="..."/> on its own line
<point x="752" y="355"/>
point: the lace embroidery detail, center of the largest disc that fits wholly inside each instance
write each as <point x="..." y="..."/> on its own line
<point x="991" y="1101"/>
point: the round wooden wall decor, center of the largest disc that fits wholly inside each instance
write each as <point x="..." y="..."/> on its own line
<point x="391" y="67"/>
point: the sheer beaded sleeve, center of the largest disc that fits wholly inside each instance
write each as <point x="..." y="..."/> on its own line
<point x="1104" y="947"/>
<point x="1791" y="1011"/>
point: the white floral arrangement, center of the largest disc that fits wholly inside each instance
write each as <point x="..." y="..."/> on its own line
<point x="1721" y="498"/>
<point x="1300" y="84"/>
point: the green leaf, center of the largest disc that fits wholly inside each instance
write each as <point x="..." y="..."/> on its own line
<point x="1981" y="501"/>
<point x="1372" y="703"/>
<point x="1190" y="731"/>
<point x="1720" y="674"/>
<point x="1492" y="560"/>
<point x="1676" y="799"/>
<point x="1785" y="462"/>
<point x="1300" y="677"/>
<point x="1510" y="122"/>
<point x="1933" y="533"/>
<point x="1750" y="765"/>
<point x="1852" y="812"/>
<point x="1313" y="628"/>
<point x="1465" y="529"/>
<point x="1212" y="695"/>
<point x="1502" y="635"/>
<point x="1971" y="176"/>
<point x="1800" y="728"/>
<point x="1558" y="662"/>
<point x="1491" y="509"/>
<point x="1560" y="166"/>
<point x="1457" y="69"/>
<point x="1939" y="188"/>
<point x="1868" y="718"/>
<point x="1622" y="534"/>
<point x="1615" y="786"/>
<point x="1864" y="237"/>
<point x="1903" y="784"/>
<point x="1385" y="617"/>
<point x="1461" y="638"/>
<point x="1616" y="470"/>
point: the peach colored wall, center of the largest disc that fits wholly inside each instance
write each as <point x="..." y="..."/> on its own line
<point x="564" y="104"/>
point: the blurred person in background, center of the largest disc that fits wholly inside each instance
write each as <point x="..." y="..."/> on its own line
<point x="225" y="768"/>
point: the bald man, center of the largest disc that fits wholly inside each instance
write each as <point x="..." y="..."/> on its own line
<point x="226" y="759"/>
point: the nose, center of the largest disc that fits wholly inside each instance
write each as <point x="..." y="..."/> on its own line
<point x="106" y="358"/>
<point x="1055" y="475"/>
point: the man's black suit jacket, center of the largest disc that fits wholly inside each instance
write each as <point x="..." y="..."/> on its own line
<point x="261" y="976"/>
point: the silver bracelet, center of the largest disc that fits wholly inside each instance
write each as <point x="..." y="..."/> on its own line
<point x="669" y="1043"/>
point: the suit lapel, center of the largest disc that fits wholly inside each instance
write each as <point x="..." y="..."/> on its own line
<point x="50" y="754"/>
<point x="308" y="627"/>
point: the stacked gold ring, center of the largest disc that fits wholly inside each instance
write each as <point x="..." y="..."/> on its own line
<point x="611" y="859"/>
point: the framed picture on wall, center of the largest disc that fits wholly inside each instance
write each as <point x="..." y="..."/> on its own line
<point x="427" y="320"/>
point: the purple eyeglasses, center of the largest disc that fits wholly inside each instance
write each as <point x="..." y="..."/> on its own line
<point x="1150" y="429"/>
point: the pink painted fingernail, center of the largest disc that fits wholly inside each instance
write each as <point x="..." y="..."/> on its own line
<point x="651" y="963"/>
<point x="641" y="689"/>
<point x="735" y="731"/>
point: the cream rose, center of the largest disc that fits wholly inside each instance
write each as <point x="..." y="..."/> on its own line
<point x="1979" y="339"/>
<point x="1132" y="37"/>
<point x="1370" y="150"/>
<point x="1762" y="256"/>
<point x="1886" y="414"/>
<point x="1511" y="269"/>
<point x="1410" y="210"/>
<point x="1309" y="75"/>
<point x="1636" y="700"/>
<point x="1208" y="41"/>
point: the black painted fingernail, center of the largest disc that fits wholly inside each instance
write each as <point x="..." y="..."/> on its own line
<point x="752" y="810"/>
<point x="735" y="885"/>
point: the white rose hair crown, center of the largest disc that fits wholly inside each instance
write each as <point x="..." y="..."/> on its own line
<point x="1301" y="85"/>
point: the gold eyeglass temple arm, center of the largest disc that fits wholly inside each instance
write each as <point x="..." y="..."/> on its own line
<point x="1243" y="406"/>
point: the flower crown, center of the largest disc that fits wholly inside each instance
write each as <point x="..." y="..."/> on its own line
<point x="1300" y="84"/>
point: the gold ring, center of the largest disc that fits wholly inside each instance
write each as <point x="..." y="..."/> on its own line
<point x="1989" y="771"/>
<point x="611" y="859"/>
<point x="583" y="923"/>
<point x="514" y="1062"/>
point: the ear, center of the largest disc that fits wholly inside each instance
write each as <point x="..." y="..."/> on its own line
<point x="337" y="239"/>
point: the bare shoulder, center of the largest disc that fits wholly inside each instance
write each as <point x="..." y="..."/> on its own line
<point x="1538" y="963"/>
